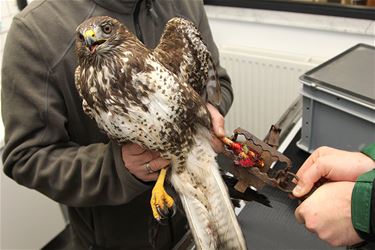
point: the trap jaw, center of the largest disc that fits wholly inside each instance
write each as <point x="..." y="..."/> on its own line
<point x="257" y="171"/>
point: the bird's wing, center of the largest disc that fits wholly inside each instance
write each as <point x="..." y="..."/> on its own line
<point x="182" y="50"/>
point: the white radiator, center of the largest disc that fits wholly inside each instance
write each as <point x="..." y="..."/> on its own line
<point x="265" y="83"/>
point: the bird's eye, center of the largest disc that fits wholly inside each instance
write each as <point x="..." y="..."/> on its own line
<point x="80" y="37"/>
<point x="107" y="28"/>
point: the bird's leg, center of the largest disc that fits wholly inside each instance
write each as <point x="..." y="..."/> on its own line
<point x="246" y="157"/>
<point x="162" y="204"/>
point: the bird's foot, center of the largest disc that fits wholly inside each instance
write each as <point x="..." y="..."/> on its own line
<point x="162" y="204"/>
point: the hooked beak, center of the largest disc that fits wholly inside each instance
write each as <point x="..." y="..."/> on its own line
<point x="91" y="41"/>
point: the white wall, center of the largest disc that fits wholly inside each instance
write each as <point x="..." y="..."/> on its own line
<point x="306" y="34"/>
<point x="28" y="219"/>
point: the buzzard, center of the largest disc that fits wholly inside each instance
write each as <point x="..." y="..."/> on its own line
<point x="157" y="98"/>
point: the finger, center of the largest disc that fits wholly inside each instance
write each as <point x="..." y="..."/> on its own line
<point x="158" y="164"/>
<point x="218" y="127"/>
<point x="150" y="177"/>
<point x="307" y="180"/>
<point x="138" y="159"/>
<point x="155" y="154"/>
<point x="319" y="152"/>
<point x="217" y="145"/>
<point x="307" y="164"/>
<point x="217" y="121"/>
<point x="299" y="217"/>
<point x="133" y="149"/>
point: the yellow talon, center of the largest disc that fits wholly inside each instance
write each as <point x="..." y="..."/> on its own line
<point x="161" y="202"/>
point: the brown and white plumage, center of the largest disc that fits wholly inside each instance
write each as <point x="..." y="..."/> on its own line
<point x="156" y="98"/>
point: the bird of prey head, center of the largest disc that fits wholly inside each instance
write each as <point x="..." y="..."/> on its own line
<point x="100" y="37"/>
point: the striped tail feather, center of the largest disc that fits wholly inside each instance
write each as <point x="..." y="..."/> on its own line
<point x="205" y="199"/>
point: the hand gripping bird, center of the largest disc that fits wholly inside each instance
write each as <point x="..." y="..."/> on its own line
<point x="157" y="98"/>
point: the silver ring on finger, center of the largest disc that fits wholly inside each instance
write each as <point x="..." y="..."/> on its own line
<point x="148" y="168"/>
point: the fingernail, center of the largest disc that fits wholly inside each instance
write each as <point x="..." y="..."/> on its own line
<point x="297" y="190"/>
<point x="220" y="132"/>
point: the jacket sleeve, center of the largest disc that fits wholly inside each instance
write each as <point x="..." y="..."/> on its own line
<point x="38" y="152"/>
<point x="226" y="86"/>
<point x="363" y="201"/>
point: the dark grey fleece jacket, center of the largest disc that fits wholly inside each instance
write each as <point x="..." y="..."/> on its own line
<point x="53" y="147"/>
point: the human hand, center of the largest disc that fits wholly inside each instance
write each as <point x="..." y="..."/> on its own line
<point x="217" y="121"/>
<point x="332" y="164"/>
<point x="136" y="158"/>
<point x="327" y="212"/>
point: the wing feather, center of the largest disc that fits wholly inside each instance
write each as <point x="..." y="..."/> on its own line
<point x="182" y="50"/>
